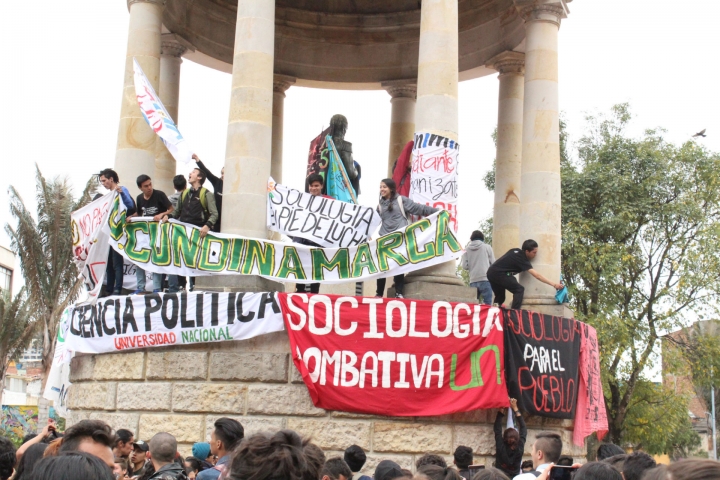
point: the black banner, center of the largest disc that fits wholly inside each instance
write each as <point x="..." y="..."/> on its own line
<point x="541" y="362"/>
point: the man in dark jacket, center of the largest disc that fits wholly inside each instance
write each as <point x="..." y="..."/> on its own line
<point x="217" y="184"/>
<point x="163" y="448"/>
<point x="509" y="445"/>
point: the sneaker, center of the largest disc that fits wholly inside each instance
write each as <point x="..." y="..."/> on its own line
<point x="117" y="292"/>
<point x="158" y="290"/>
<point x="138" y="292"/>
<point x="399" y="295"/>
<point x="378" y="296"/>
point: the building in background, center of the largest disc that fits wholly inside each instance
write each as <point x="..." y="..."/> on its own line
<point x="7" y="265"/>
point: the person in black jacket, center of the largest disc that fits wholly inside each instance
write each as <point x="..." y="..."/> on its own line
<point x="217" y="184"/>
<point x="510" y="444"/>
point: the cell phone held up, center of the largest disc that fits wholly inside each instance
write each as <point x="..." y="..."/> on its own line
<point x="561" y="472"/>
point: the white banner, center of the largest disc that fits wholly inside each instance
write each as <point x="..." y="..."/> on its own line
<point x="434" y="177"/>
<point x="58" y="381"/>
<point x="158" y="118"/>
<point x="91" y="242"/>
<point x="160" y="319"/>
<point x="177" y="249"/>
<point x="323" y="220"/>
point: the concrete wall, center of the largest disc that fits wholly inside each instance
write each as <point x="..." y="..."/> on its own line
<point x="183" y="390"/>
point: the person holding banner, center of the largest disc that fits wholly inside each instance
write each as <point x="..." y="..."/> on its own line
<point x="393" y="210"/>
<point x="109" y="179"/>
<point x="217" y="184"/>
<point x="509" y="444"/>
<point x="315" y="183"/>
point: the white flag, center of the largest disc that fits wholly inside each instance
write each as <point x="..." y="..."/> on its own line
<point x="158" y="118"/>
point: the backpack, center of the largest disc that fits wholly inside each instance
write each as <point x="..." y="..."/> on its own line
<point x="203" y="197"/>
<point x="194" y="216"/>
<point x="400" y="204"/>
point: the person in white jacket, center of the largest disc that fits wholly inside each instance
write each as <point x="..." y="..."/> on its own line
<point x="476" y="260"/>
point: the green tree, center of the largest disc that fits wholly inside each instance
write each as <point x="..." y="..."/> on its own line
<point x="640" y="256"/>
<point x="16" y="329"/>
<point x="46" y="259"/>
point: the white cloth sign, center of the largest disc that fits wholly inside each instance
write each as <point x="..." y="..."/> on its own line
<point x="91" y="242"/>
<point x="160" y="319"/>
<point x="158" y="117"/>
<point x="322" y="220"/>
<point x="58" y="381"/>
<point x="176" y="248"/>
<point x="434" y="176"/>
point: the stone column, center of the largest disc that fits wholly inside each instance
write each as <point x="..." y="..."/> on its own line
<point x="280" y="85"/>
<point x="248" y="151"/>
<point x="136" y="141"/>
<point x="540" y="172"/>
<point x="172" y="49"/>
<point x="402" y="117"/>
<point x="506" y="213"/>
<point x="437" y="112"/>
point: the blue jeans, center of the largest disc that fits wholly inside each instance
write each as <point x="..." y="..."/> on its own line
<point x="140" y="277"/>
<point x="484" y="291"/>
<point x="114" y="273"/>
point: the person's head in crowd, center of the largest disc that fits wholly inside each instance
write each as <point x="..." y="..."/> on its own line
<point x="196" y="178"/>
<point x="121" y="467"/>
<point x="530" y="247"/>
<point x="72" y="465"/>
<point x="27" y="462"/>
<point x="227" y="434"/>
<point x="279" y="456"/>
<point x="617" y="461"/>
<point x="337" y="469"/>
<point x="607" y="450"/>
<point x="144" y="183"/>
<point x="436" y="472"/>
<point x="597" y="471"/>
<point x="355" y="457"/>
<point x="192" y="467"/>
<point x="636" y="464"/>
<point x="163" y="448"/>
<point x="491" y="474"/>
<point x="179" y="182"/>
<point x="124" y="444"/>
<point x="201" y="451"/>
<point x="7" y="458"/>
<point x="138" y="456"/>
<point x="315" y="183"/>
<point x="30" y="436"/>
<point x="660" y="473"/>
<point x="430" y="459"/>
<point x="463" y="457"/>
<point x="388" y="470"/>
<point x="565" y="461"/>
<point x="315" y="457"/>
<point x="90" y="436"/>
<point x="511" y="438"/>
<point x="527" y="466"/>
<point x="388" y="188"/>
<point x="546" y="449"/>
<point x="477" y="235"/>
<point x="109" y="178"/>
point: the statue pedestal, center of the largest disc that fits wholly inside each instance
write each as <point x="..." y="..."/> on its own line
<point x="439" y="282"/>
<point x="237" y="283"/>
<point x="547" y="306"/>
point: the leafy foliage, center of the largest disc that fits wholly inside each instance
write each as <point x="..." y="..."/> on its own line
<point x="640" y="224"/>
<point x="16" y="329"/>
<point x="51" y="278"/>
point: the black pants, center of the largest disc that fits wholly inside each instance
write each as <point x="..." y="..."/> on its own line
<point x="302" y="288"/>
<point x="399" y="285"/>
<point x="500" y="283"/>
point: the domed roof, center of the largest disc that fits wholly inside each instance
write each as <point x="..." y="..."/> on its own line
<point x="345" y="42"/>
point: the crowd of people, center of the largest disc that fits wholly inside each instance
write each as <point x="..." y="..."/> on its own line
<point x="92" y="450"/>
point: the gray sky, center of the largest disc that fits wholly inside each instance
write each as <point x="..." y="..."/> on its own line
<point x="64" y="71"/>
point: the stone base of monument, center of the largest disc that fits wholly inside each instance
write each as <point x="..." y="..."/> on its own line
<point x="237" y="283"/>
<point x="437" y="291"/>
<point x="547" y="306"/>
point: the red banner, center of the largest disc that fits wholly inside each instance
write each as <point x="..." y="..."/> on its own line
<point x="396" y="357"/>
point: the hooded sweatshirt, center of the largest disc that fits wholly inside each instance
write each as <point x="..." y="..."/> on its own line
<point x="393" y="219"/>
<point x="477" y="259"/>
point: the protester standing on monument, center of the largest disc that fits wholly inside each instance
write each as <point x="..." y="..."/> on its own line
<point x="217" y="184"/>
<point x="315" y="187"/>
<point x="510" y="444"/>
<point x="114" y="274"/>
<point x="501" y="274"/>
<point x="393" y="210"/>
<point x="180" y="185"/>
<point x="227" y="435"/>
<point x="150" y="203"/>
<point x="476" y="260"/>
<point x="546" y="450"/>
<point x="195" y="207"/>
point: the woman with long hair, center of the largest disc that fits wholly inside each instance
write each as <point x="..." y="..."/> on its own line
<point x="393" y="210"/>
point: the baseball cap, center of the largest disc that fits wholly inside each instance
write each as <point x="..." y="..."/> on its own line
<point x="141" y="445"/>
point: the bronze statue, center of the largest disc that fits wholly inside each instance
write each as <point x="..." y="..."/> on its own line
<point x="338" y="127"/>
